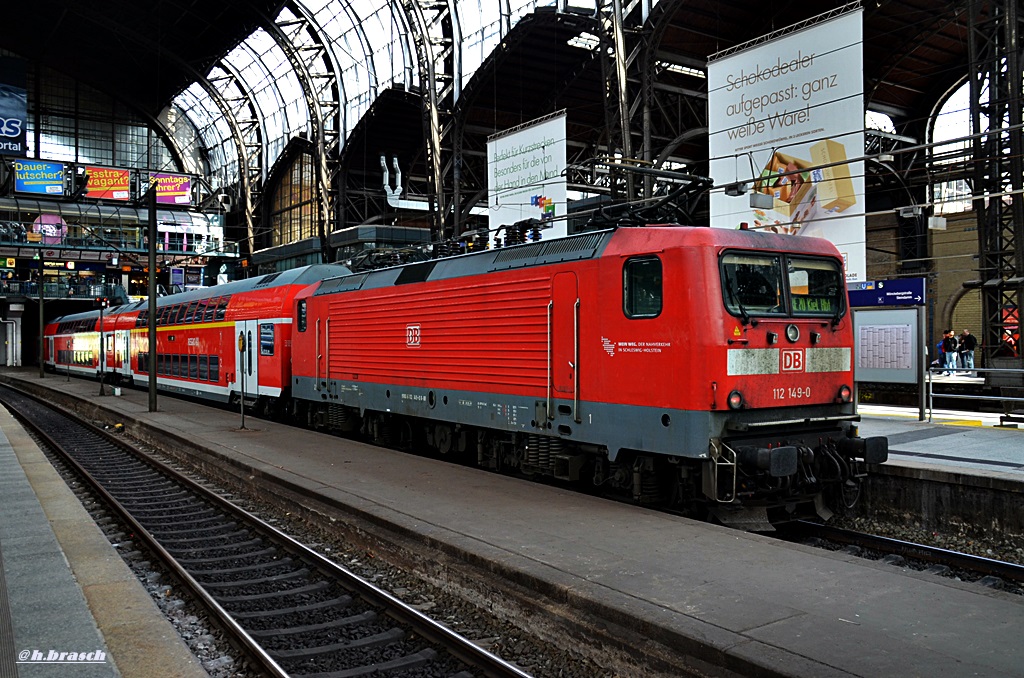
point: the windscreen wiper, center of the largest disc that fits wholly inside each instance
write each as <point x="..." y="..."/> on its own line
<point x="744" y="316"/>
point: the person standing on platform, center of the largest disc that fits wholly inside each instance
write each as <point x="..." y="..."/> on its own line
<point x="949" y="346"/>
<point x="967" y="343"/>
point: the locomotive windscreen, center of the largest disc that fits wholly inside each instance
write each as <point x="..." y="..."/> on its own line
<point x="754" y="284"/>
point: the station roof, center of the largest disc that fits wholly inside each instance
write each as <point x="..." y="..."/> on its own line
<point x="143" y="53"/>
<point x="147" y="53"/>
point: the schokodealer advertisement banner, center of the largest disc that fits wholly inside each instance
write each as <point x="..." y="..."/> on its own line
<point x="786" y="126"/>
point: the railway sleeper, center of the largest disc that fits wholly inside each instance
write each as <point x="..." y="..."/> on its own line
<point x="376" y="640"/>
<point x="362" y="618"/>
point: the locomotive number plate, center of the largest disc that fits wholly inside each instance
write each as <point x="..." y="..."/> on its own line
<point x="791" y="392"/>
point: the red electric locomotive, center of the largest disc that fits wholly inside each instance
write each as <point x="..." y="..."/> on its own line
<point x="707" y="368"/>
<point x="202" y="335"/>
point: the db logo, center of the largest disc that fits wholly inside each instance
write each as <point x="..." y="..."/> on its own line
<point x="792" y="360"/>
<point x="412" y="335"/>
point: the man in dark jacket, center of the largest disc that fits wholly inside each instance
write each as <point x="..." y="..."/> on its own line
<point x="967" y="343"/>
<point x="949" y="350"/>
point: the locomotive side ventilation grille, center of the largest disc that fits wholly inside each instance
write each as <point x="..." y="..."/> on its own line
<point x="343" y="284"/>
<point x="561" y="249"/>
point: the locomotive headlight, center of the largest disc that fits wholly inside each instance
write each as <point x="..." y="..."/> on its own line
<point x="792" y="333"/>
<point x="735" y="400"/>
<point x="845" y="394"/>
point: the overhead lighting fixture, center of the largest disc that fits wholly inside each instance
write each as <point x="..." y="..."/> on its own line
<point x="584" y="41"/>
<point x="735" y="190"/>
<point x="683" y="70"/>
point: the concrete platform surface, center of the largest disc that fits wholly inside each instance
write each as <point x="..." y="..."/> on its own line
<point x="773" y="608"/>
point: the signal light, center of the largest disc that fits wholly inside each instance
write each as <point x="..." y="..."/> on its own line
<point x="735" y="400"/>
<point x="101" y="302"/>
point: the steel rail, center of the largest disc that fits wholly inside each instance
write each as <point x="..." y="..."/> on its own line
<point x="459" y="647"/>
<point x="921" y="552"/>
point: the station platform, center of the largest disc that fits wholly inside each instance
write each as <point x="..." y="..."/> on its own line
<point x="952" y="439"/>
<point x="728" y="598"/>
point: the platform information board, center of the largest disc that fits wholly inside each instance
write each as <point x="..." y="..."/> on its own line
<point x="902" y="292"/>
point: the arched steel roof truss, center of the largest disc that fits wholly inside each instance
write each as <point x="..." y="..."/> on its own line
<point x="313" y="63"/>
<point x="247" y="133"/>
<point x="437" y="36"/>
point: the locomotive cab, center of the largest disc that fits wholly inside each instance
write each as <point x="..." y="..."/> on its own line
<point x="790" y="428"/>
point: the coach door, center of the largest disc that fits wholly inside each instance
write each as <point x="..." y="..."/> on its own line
<point x="564" y="340"/>
<point x="122" y="352"/>
<point x="247" y="351"/>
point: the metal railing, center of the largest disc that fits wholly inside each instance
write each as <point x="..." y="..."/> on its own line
<point x="55" y="290"/>
<point x="1013" y="376"/>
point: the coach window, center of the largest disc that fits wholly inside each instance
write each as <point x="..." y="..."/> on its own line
<point x="641" y="287"/>
<point x="222" y="307"/>
<point x="193" y="366"/>
<point x="214" y="368"/>
<point x="204" y="367"/>
<point x="266" y="338"/>
<point x="182" y="308"/>
<point x="211" y="310"/>
<point x="191" y="312"/>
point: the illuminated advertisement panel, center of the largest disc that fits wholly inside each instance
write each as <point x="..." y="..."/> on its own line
<point x="786" y="133"/>
<point x="108" y="183"/>
<point x="13" y="106"/>
<point x="39" y="177"/>
<point x="172" y="189"/>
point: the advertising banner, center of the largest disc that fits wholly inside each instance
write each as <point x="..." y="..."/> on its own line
<point x="108" y="183"/>
<point x="51" y="228"/>
<point x="172" y="189"/>
<point x="39" y="177"/>
<point x="526" y="175"/>
<point x="13" y="106"/>
<point x="786" y="121"/>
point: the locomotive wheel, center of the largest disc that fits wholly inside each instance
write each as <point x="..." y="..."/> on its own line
<point x="443" y="438"/>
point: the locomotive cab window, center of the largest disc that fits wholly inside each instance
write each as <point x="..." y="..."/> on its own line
<point x="302" y="315"/>
<point x="641" y="287"/>
<point x="816" y="287"/>
<point x="753" y="284"/>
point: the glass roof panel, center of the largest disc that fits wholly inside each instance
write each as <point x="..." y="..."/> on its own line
<point x="372" y="48"/>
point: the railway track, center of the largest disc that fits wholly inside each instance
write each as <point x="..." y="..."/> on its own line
<point x="986" y="571"/>
<point x="290" y="610"/>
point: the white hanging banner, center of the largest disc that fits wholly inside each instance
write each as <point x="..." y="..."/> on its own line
<point x="526" y="175"/>
<point x="786" y="126"/>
